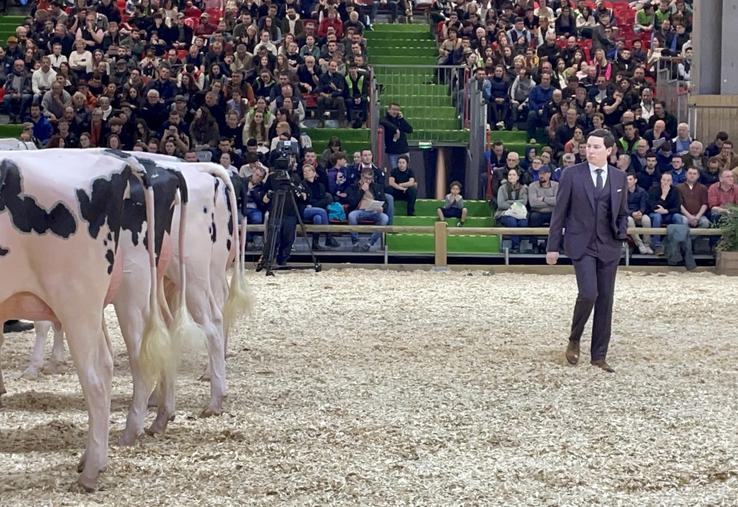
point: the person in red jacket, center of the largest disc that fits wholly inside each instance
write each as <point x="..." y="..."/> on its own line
<point x="333" y="20"/>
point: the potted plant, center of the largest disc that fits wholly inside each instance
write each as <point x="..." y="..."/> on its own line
<point x="727" y="247"/>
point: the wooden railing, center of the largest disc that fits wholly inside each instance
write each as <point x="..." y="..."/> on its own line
<point x="441" y="232"/>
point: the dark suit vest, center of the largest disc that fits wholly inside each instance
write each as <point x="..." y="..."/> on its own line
<point x="602" y="232"/>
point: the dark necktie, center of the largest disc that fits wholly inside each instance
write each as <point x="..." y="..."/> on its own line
<point x="600" y="185"/>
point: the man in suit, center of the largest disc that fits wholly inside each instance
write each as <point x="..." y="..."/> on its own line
<point x="591" y="217"/>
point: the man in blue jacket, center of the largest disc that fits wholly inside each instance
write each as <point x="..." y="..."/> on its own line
<point x="638" y="213"/>
<point x="540" y="95"/>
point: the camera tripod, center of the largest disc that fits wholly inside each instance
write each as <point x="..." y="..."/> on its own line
<point x="274" y="224"/>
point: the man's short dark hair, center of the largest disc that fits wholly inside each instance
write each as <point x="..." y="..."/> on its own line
<point x="650" y="154"/>
<point x="497" y="144"/>
<point x="722" y="136"/>
<point x="338" y="156"/>
<point x="606" y="136"/>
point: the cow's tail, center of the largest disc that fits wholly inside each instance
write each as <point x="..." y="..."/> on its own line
<point x="239" y="300"/>
<point x="156" y="358"/>
<point x="187" y="335"/>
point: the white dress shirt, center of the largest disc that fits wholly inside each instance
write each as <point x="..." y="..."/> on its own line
<point x="593" y="173"/>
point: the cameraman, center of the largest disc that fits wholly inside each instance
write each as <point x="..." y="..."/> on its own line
<point x="286" y="229"/>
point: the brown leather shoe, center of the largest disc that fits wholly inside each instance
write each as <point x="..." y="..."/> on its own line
<point x="572" y="352"/>
<point x="601" y="363"/>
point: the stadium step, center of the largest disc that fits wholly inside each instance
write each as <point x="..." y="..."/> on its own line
<point x="428" y="207"/>
<point x="510" y="136"/>
<point x="351" y="139"/>
<point x="425" y="244"/>
<point x="430" y="221"/>
<point x="399" y="59"/>
<point x="427" y="105"/>
<point x="400" y="27"/>
<point x="422" y="112"/>
<point x="401" y="89"/>
<point x="10" y="130"/>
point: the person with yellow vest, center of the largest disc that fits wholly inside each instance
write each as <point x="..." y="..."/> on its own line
<point x="357" y="96"/>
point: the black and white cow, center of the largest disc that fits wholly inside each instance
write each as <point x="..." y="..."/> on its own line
<point x="62" y="213"/>
<point x="211" y="236"/>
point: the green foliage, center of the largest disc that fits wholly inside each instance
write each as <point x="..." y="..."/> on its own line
<point x="729" y="225"/>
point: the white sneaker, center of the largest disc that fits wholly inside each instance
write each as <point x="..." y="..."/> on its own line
<point x="646" y="250"/>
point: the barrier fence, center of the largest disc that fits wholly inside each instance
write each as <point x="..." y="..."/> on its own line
<point x="441" y="232"/>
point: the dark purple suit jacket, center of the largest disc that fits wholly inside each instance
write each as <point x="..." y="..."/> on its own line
<point x="573" y="219"/>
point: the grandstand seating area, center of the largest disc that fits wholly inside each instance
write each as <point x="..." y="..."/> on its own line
<point x="223" y="57"/>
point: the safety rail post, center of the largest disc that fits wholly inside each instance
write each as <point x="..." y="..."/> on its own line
<point x="440" y="233"/>
<point x="373" y="110"/>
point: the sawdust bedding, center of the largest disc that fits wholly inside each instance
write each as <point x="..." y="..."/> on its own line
<point x="416" y="388"/>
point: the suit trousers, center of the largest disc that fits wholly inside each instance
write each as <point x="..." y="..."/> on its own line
<point x="596" y="284"/>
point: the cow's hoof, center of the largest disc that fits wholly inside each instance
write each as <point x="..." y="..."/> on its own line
<point x="30" y="374"/>
<point x="128" y="439"/>
<point x="53" y="368"/>
<point x="84" y="485"/>
<point x="211" y="412"/>
<point x="81" y="464"/>
<point x="158" y="426"/>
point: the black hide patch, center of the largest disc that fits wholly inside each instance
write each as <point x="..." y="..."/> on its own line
<point x="104" y="205"/>
<point x="25" y="213"/>
<point x="165" y="183"/>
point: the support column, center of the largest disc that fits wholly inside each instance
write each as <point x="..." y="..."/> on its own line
<point x="441" y="173"/>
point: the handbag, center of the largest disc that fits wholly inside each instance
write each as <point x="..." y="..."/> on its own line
<point x="336" y="212"/>
<point x="517" y="211"/>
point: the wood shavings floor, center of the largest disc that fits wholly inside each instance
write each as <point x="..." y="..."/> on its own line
<point x="361" y="387"/>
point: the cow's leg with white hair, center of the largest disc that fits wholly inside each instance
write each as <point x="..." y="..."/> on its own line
<point x="94" y="362"/>
<point x="36" y="364"/>
<point x="2" y="382"/>
<point x="58" y="360"/>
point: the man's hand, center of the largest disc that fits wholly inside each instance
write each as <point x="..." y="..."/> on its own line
<point x="365" y="186"/>
<point x="552" y="258"/>
<point x="396" y="137"/>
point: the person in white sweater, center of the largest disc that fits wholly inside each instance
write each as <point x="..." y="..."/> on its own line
<point x="42" y="78"/>
<point x="80" y="60"/>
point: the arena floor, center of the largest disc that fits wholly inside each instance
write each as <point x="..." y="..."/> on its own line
<point x="361" y="387"/>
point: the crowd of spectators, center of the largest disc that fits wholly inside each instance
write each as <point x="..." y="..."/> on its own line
<point x="168" y="75"/>
<point x="560" y="69"/>
<point x="227" y="82"/>
<point x="214" y="80"/>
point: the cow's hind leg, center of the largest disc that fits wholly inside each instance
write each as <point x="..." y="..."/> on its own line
<point x="42" y="328"/>
<point x="2" y="382"/>
<point x="94" y="362"/>
<point x="55" y="365"/>
<point x="131" y="322"/>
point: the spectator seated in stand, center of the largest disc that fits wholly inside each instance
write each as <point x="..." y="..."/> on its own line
<point x="402" y="184"/>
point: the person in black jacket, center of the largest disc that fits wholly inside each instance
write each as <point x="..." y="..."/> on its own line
<point x="396" y="129"/>
<point x="253" y="206"/>
<point x="331" y="93"/>
<point x="638" y="213"/>
<point x="496" y="93"/>
<point x="317" y="199"/>
<point x="286" y="231"/>
<point x="367" y="204"/>
<point x="663" y="199"/>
